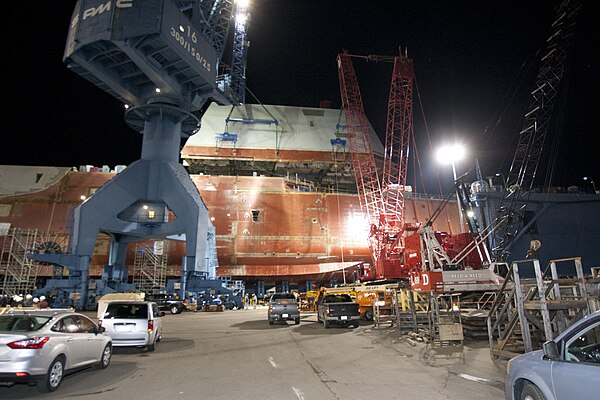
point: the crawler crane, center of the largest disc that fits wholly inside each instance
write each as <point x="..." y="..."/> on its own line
<point x="442" y="273"/>
<point x="382" y="199"/>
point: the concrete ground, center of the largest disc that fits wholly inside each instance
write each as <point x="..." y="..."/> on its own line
<point x="238" y="355"/>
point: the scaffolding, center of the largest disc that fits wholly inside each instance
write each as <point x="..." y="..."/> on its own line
<point x="17" y="272"/>
<point x="150" y="265"/>
<point x="534" y="306"/>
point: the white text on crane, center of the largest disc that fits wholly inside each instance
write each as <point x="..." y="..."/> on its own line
<point x="93" y="11"/>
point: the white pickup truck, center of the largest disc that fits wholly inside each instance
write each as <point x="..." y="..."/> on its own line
<point x="283" y="307"/>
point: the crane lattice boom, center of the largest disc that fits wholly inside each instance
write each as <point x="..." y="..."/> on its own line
<point x="398" y="134"/>
<point x="536" y="123"/>
<point x="381" y="199"/>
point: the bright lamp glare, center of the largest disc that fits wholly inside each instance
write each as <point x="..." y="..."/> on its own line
<point x="242" y="3"/>
<point x="241" y="18"/>
<point x="357" y="229"/>
<point x="449" y="154"/>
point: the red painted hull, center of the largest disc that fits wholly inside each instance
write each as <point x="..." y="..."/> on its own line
<point x="264" y="229"/>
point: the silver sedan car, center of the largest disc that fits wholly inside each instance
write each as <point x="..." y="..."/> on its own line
<point x="568" y="367"/>
<point x="42" y="346"/>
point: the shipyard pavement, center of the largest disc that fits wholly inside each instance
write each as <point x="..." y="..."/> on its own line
<point x="238" y="355"/>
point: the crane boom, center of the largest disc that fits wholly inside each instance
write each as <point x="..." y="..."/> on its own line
<point x="213" y="18"/>
<point x="398" y="134"/>
<point x="536" y="123"/>
<point x="359" y="142"/>
<point x="381" y="199"/>
<point x="441" y="273"/>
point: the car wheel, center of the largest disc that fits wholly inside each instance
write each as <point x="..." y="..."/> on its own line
<point x="174" y="309"/>
<point x="152" y="346"/>
<point x="54" y="376"/>
<point x="369" y="315"/>
<point x="531" y="392"/>
<point x="297" y="321"/>
<point x="106" y="356"/>
<point x="325" y="324"/>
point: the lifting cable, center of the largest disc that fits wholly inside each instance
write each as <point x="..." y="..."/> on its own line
<point x="558" y="131"/>
<point x="229" y="116"/>
<point x="337" y="195"/>
<point x="430" y="149"/>
<point x="500" y="112"/>
<point x="277" y="141"/>
<point x="337" y="189"/>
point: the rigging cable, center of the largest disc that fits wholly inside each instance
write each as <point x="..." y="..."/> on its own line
<point x="558" y="131"/>
<point x="507" y="99"/>
<point x="277" y="141"/>
<point x="431" y="149"/>
<point x="337" y="195"/>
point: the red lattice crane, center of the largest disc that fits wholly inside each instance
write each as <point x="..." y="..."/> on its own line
<point x="382" y="200"/>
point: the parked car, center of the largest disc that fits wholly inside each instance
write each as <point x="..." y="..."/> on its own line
<point x="167" y="302"/>
<point x="42" y="346"/>
<point x="132" y="323"/>
<point x="567" y="367"/>
<point x="337" y="308"/>
<point x="283" y="307"/>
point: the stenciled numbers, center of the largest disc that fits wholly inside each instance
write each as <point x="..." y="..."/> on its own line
<point x="187" y="38"/>
<point x="191" y="34"/>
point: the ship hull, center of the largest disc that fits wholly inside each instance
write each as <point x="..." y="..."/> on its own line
<point x="266" y="229"/>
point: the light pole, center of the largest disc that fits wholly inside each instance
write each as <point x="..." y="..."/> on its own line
<point x="587" y="178"/>
<point x="450" y="155"/>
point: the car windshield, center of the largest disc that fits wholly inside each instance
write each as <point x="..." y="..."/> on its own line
<point x="22" y="323"/>
<point x="282" y="296"/>
<point x="129" y="311"/>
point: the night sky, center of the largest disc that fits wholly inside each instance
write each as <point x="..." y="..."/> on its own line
<point x="468" y="57"/>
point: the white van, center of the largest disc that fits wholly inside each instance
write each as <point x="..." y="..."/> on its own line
<point x="132" y="323"/>
<point x="110" y="297"/>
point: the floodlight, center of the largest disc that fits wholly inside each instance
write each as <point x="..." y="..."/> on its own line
<point x="451" y="153"/>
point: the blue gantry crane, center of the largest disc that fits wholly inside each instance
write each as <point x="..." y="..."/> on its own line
<point x="161" y="58"/>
